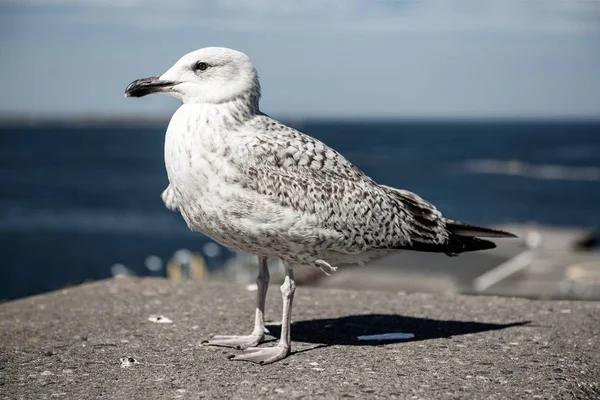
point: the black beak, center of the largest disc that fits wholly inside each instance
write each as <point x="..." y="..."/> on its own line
<point x="145" y="86"/>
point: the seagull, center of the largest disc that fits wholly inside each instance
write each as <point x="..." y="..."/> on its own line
<point x="256" y="185"/>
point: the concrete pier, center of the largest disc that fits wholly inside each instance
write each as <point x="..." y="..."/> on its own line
<point x="132" y="338"/>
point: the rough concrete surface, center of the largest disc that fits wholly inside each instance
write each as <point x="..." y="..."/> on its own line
<point x="96" y="341"/>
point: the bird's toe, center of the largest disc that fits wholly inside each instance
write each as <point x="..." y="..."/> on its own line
<point x="262" y="355"/>
<point x="236" y="342"/>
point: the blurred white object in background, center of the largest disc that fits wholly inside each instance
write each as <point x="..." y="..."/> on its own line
<point x="120" y="270"/>
<point x="211" y="249"/>
<point x="153" y="263"/>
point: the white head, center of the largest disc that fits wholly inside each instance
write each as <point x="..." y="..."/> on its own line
<point x="210" y="75"/>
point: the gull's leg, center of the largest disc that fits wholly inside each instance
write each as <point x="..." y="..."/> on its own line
<point x="267" y="355"/>
<point x="258" y="334"/>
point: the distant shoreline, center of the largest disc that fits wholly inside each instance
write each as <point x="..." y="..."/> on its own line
<point x="8" y="120"/>
<point x="25" y="121"/>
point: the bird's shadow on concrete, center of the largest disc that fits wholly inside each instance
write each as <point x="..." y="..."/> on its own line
<point x="347" y="330"/>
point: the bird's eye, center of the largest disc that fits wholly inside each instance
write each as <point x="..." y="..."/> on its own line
<point x="201" y="66"/>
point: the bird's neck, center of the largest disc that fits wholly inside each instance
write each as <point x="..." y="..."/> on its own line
<point x="232" y="112"/>
<point x="243" y="107"/>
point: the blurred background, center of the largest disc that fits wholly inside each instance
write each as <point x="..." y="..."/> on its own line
<point x="488" y="109"/>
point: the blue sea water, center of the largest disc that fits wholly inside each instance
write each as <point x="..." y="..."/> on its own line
<point x="76" y="199"/>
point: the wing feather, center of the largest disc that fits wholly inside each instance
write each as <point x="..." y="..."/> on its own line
<point x="300" y="172"/>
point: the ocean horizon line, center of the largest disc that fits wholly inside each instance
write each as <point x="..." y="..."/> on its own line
<point x="8" y="119"/>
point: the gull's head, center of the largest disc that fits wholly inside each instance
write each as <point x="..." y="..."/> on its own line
<point x="210" y="75"/>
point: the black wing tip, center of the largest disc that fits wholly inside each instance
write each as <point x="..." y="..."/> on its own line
<point x="498" y="233"/>
<point x="453" y="247"/>
<point x="463" y="229"/>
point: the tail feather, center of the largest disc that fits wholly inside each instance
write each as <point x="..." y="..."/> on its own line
<point x="454" y="246"/>
<point x="463" y="244"/>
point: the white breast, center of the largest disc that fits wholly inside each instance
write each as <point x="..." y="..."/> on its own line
<point x="206" y="165"/>
<point x="178" y="145"/>
<point x="203" y="179"/>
